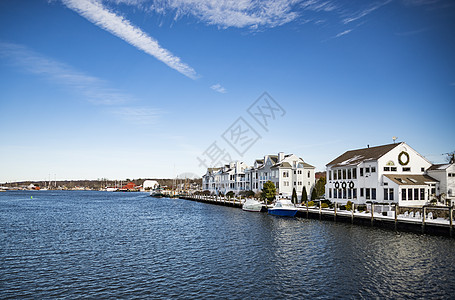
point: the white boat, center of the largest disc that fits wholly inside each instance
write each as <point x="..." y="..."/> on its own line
<point x="157" y="193"/>
<point x="252" y="205"/>
<point x="284" y="208"/>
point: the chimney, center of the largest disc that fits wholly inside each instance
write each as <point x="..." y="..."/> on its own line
<point x="280" y="156"/>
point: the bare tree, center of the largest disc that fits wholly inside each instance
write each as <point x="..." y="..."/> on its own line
<point x="451" y="157"/>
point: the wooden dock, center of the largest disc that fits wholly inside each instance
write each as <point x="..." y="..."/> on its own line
<point x="397" y="222"/>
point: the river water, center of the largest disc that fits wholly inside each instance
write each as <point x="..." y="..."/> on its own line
<point x="128" y="245"/>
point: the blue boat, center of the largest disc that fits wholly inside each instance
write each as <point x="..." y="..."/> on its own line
<point x="283" y="208"/>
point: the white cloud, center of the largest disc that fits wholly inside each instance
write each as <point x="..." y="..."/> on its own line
<point x="364" y="12"/>
<point x="217" y="87"/>
<point x="343" y="33"/>
<point x="232" y="13"/>
<point x="94" y="89"/>
<point x="96" y="13"/>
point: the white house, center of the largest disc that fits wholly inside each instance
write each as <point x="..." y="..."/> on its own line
<point x="150" y="184"/>
<point x="285" y="171"/>
<point x="393" y="173"/>
<point x="230" y="177"/>
<point x="445" y="174"/>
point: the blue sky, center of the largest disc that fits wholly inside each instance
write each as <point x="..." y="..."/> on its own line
<point x="134" y="89"/>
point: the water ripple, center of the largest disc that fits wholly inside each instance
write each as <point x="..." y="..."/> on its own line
<point x="115" y="245"/>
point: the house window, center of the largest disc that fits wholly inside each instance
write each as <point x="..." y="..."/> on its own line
<point x="373" y="169"/>
<point x="393" y="169"/>
<point x="422" y="194"/>
<point x="354" y="173"/>
<point x="330" y="176"/>
<point x="406" y="169"/>
<point x="354" y="193"/>
<point x="339" y="174"/>
<point x="403" y="194"/>
<point x="349" y="193"/>
<point x="344" y="193"/>
<point x="386" y="194"/>
<point x="367" y="193"/>
<point x="295" y="183"/>
<point x="361" y="192"/>
<point x="367" y="170"/>
<point x="344" y="173"/>
<point x="330" y="192"/>
<point x="335" y="175"/>
<point x="349" y="174"/>
<point x="409" y="194"/>
<point x="416" y="194"/>
<point x="373" y="194"/>
<point x="361" y="171"/>
<point x="335" y="194"/>
<point x="422" y="169"/>
<point x="308" y="174"/>
<point x="386" y="169"/>
<point x="295" y="172"/>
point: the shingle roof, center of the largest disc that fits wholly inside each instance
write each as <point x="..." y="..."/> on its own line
<point x="283" y="165"/>
<point x="403" y="179"/>
<point x="354" y="157"/>
<point x="439" y="167"/>
<point x="305" y="165"/>
<point x="274" y="158"/>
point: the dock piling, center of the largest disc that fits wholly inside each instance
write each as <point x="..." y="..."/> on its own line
<point x="352" y="213"/>
<point x="372" y="214"/>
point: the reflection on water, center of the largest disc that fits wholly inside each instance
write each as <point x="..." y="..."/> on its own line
<point x="99" y="244"/>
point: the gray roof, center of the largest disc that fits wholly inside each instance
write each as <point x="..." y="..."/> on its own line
<point x="354" y="157"/>
<point x="283" y="165"/>
<point x="274" y="158"/>
<point x="305" y="165"/>
<point x="403" y="179"/>
<point x="439" y="167"/>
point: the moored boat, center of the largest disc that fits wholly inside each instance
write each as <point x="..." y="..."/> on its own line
<point x="157" y="193"/>
<point x="283" y="208"/>
<point x="252" y="205"/>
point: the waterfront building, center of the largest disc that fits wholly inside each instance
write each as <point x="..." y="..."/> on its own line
<point x="230" y="177"/>
<point x="445" y="174"/>
<point x="393" y="173"/>
<point x="285" y="171"/>
<point x="210" y="179"/>
<point x="150" y="185"/>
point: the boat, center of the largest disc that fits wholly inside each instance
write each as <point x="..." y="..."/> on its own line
<point x="157" y="193"/>
<point x="252" y="205"/>
<point x="283" y="208"/>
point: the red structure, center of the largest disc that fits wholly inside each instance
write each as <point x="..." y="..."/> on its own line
<point x="129" y="186"/>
